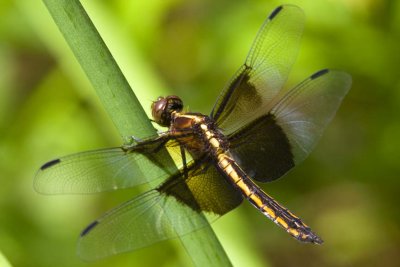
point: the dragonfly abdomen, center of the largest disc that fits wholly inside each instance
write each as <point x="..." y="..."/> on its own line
<point x="266" y="204"/>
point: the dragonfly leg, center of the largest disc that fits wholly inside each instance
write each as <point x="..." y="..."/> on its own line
<point x="131" y="140"/>
<point x="147" y="145"/>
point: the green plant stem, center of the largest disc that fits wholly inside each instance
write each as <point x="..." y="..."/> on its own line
<point x="100" y="67"/>
<point x="122" y="105"/>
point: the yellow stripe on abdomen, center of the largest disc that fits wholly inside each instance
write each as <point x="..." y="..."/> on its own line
<point x="266" y="204"/>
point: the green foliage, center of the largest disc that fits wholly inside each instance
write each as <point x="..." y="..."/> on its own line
<point x="347" y="190"/>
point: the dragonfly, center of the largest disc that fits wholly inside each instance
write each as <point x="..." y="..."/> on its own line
<point x="256" y="132"/>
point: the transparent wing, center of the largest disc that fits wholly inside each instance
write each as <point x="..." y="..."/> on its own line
<point x="138" y="223"/>
<point x="265" y="71"/>
<point x="106" y="169"/>
<point x="277" y="141"/>
<point x="173" y="210"/>
<point x="305" y="111"/>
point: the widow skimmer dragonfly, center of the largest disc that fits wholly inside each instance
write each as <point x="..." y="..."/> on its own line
<point x="256" y="131"/>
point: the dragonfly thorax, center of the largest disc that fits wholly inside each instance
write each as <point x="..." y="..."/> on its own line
<point x="198" y="133"/>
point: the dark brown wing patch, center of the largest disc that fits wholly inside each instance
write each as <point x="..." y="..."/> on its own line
<point x="262" y="149"/>
<point x="205" y="190"/>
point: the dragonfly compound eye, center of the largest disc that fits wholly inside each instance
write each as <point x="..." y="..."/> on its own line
<point x="164" y="107"/>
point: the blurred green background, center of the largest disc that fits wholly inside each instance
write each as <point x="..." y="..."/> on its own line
<point x="347" y="190"/>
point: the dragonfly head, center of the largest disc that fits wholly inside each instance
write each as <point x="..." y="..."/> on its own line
<point x="163" y="107"/>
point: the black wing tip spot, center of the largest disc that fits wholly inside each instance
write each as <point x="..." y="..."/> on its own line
<point x="50" y="163"/>
<point x="89" y="228"/>
<point x="275" y="12"/>
<point x="319" y="73"/>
